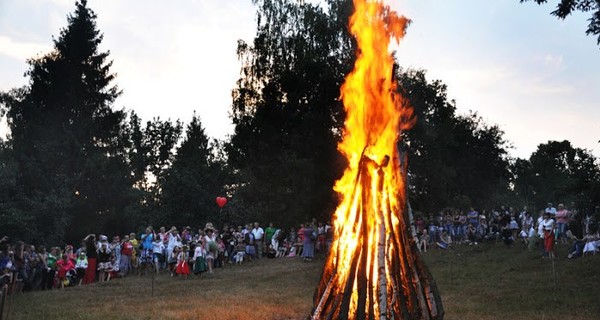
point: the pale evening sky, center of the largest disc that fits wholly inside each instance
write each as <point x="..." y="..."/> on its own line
<point x="517" y="66"/>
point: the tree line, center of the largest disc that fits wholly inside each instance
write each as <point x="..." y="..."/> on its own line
<point x="73" y="163"/>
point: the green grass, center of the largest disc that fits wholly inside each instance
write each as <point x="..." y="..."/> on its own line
<point x="489" y="281"/>
<point x="492" y="281"/>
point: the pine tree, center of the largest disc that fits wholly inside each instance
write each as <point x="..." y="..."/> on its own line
<point x="68" y="141"/>
<point x="198" y="175"/>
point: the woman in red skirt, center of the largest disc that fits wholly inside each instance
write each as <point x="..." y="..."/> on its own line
<point x="548" y="227"/>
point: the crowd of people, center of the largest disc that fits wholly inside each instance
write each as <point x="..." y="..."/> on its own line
<point x="192" y="252"/>
<point x="549" y="227"/>
<point x="179" y="252"/>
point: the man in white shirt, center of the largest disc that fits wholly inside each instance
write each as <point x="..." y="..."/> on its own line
<point x="259" y="234"/>
<point x="551" y="210"/>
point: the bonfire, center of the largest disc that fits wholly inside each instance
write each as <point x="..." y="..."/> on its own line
<point x="374" y="270"/>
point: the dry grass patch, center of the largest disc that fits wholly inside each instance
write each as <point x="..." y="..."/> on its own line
<point x="263" y="289"/>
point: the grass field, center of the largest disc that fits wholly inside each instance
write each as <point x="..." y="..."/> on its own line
<point x="489" y="281"/>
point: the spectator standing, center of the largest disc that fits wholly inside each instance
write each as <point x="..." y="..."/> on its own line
<point x="104" y="265"/>
<point x="158" y="249"/>
<point x="259" y="234"/>
<point x="174" y="240"/>
<point x="48" y="280"/>
<point x="548" y="229"/>
<point x="249" y="242"/>
<point x="551" y="210"/>
<point x="91" y="251"/>
<point x="199" y="258"/>
<point x="321" y="237"/>
<point x="81" y="266"/>
<point x="423" y="241"/>
<point x="269" y="232"/>
<point x="147" y="252"/>
<point x="210" y="246"/>
<point x="562" y="219"/>
<point x="473" y="217"/>
<point x="310" y="236"/>
<point x="126" y="254"/>
<point x="64" y="266"/>
<point x="115" y="248"/>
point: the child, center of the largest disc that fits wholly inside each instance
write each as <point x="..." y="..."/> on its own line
<point x="182" y="265"/>
<point x="158" y="248"/>
<point x="113" y="271"/>
<point x="240" y="249"/>
<point x="81" y="265"/>
<point x="173" y="260"/>
<point x="423" y="241"/>
<point x="63" y="266"/>
<point x="221" y="253"/>
<point x="104" y="265"/>
<point x="199" y="259"/>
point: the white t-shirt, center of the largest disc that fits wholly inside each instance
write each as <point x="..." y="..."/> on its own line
<point x="158" y="247"/>
<point x="199" y="252"/>
<point x="258" y="233"/>
<point x="547" y="225"/>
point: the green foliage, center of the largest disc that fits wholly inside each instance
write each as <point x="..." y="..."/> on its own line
<point x="558" y="172"/>
<point x="66" y="138"/>
<point x="198" y="175"/>
<point x="566" y="7"/>
<point x="454" y="160"/>
<point x="287" y="113"/>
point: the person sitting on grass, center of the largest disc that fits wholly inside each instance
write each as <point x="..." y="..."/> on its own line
<point x="445" y="240"/>
<point x="590" y="243"/>
<point x="271" y="253"/>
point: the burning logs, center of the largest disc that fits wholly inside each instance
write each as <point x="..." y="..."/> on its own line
<point x="385" y="277"/>
<point x="373" y="270"/>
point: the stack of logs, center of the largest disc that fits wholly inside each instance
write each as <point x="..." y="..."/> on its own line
<point x="402" y="287"/>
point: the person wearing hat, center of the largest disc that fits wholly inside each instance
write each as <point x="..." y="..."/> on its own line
<point x="210" y="241"/>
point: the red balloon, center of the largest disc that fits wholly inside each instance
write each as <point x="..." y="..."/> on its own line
<point x="221" y="201"/>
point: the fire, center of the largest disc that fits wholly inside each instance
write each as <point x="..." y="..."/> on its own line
<point x="372" y="270"/>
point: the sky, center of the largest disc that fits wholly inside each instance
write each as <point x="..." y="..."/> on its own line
<point x="514" y="64"/>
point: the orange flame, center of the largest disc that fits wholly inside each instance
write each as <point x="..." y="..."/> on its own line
<point x="376" y="114"/>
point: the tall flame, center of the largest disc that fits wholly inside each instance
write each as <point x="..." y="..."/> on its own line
<point x="371" y="265"/>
